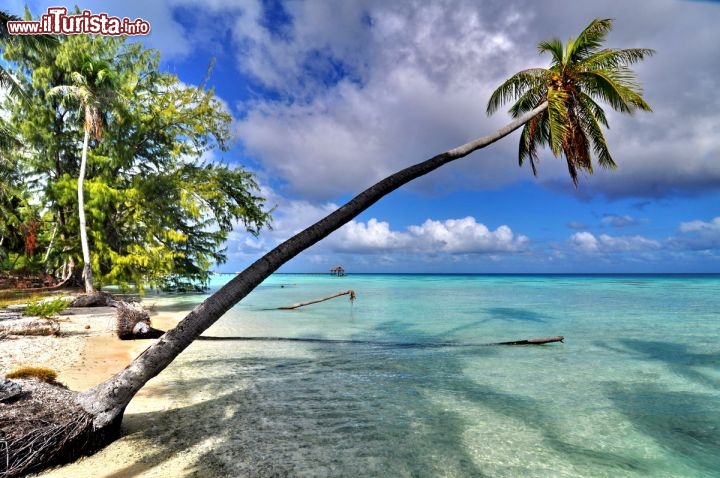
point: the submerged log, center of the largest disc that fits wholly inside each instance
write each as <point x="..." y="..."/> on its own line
<point x="540" y="341"/>
<point x="351" y="293"/>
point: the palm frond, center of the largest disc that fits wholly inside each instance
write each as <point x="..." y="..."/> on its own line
<point x="589" y="40"/>
<point x="579" y="74"/>
<point x="557" y="120"/>
<point x="614" y="91"/>
<point x="9" y="82"/>
<point x="595" y="109"/>
<point x="611" y="58"/>
<point x="555" y="47"/>
<point x="592" y="129"/>
<point x="528" y="101"/>
<point x="515" y="86"/>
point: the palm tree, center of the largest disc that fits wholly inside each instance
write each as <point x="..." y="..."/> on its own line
<point x="103" y="405"/>
<point x="92" y="87"/>
<point x="581" y="73"/>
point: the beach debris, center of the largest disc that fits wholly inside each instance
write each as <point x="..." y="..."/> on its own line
<point x="9" y="315"/>
<point x="350" y="292"/>
<point x="9" y="390"/>
<point x="29" y="326"/>
<point x="133" y="322"/>
<point x="95" y="299"/>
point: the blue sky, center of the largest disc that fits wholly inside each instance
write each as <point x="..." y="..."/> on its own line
<point x="330" y="96"/>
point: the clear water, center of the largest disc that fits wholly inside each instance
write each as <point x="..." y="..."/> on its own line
<point x="412" y="390"/>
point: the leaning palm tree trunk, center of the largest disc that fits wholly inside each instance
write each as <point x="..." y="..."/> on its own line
<point x="87" y="268"/>
<point x="106" y="402"/>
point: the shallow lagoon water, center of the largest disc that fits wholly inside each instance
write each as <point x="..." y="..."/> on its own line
<point x="401" y="383"/>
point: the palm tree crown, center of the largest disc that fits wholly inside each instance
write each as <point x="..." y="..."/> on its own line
<point x="581" y="73"/>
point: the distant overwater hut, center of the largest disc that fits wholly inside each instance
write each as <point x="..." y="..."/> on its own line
<point x="337" y="271"/>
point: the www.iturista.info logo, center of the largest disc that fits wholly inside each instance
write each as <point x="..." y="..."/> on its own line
<point x="57" y="22"/>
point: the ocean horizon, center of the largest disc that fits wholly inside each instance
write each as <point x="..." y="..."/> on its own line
<point x="403" y="382"/>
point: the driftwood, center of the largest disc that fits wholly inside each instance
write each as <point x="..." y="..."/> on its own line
<point x="96" y="299"/>
<point x="9" y="390"/>
<point x="351" y="293"/>
<point x="540" y="341"/>
<point x="29" y="326"/>
<point x="133" y="322"/>
<point x="9" y="315"/>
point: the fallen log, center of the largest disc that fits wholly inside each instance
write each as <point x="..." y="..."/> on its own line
<point x="540" y="341"/>
<point x="29" y="326"/>
<point x="351" y="293"/>
<point x="9" y="315"/>
<point x="96" y="299"/>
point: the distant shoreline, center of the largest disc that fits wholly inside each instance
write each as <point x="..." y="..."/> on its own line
<point x="505" y="274"/>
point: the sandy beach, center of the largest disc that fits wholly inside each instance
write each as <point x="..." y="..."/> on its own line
<point x="87" y="352"/>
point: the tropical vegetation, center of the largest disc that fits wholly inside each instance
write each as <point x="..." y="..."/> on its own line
<point x="117" y="165"/>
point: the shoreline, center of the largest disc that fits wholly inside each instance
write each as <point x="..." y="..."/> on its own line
<point x="84" y="357"/>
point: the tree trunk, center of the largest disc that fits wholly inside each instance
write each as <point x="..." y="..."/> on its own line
<point x="29" y="326"/>
<point x="106" y="402"/>
<point x="323" y="299"/>
<point x="87" y="267"/>
<point x="50" y="246"/>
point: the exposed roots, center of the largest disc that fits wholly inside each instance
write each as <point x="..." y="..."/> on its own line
<point x="43" y="427"/>
<point x="133" y="322"/>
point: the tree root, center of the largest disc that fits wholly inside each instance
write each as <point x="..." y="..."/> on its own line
<point x="43" y="427"/>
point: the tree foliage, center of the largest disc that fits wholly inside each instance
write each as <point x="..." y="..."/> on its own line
<point x="581" y="72"/>
<point x="158" y="202"/>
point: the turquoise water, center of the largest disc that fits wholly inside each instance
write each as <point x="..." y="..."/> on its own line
<point x="405" y="387"/>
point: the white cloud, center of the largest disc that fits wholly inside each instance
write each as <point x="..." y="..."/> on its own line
<point x="618" y="221"/>
<point x="415" y="85"/>
<point x="450" y="236"/>
<point x="414" y="79"/>
<point x="712" y="227"/>
<point x="467" y="236"/>
<point x="586" y="242"/>
<point x="699" y="236"/>
<point x="447" y="237"/>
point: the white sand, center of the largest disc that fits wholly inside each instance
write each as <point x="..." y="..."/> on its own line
<point x="149" y="446"/>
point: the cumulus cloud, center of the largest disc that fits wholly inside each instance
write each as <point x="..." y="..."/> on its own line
<point x="451" y="236"/>
<point x="385" y="84"/>
<point x="588" y="243"/>
<point x="446" y="237"/>
<point x="362" y="88"/>
<point x="413" y="82"/>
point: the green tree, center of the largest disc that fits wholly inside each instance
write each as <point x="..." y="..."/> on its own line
<point x="12" y="194"/>
<point x="581" y="72"/>
<point x="157" y="205"/>
<point x="93" y="88"/>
